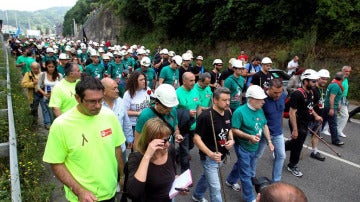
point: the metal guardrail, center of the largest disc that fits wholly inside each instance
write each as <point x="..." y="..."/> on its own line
<point x="12" y="144"/>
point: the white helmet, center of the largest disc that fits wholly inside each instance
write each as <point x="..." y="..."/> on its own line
<point x="256" y="92"/>
<point x="309" y="74"/>
<point x="178" y="60"/>
<point x="217" y="61"/>
<point x="324" y="73"/>
<point x="266" y="60"/>
<point x="166" y="94"/>
<point x="49" y="50"/>
<point x="145" y="61"/>
<point x="186" y="56"/>
<point x="63" y="56"/>
<point x="172" y="53"/>
<point x="238" y="64"/>
<point x="140" y="51"/>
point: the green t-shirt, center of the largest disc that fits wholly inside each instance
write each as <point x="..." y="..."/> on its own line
<point x="23" y="59"/>
<point x="205" y="95"/>
<point x="47" y="57"/>
<point x="150" y="76"/>
<point x="249" y="121"/>
<point x="147" y="114"/>
<point x="335" y="89"/>
<point x="61" y="70"/>
<point x="96" y="71"/>
<point x="188" y="99"/>
<point x="345" y="84"/>
<point x="27" y="67"/>
<point x="170" y="76"/>
<point x="63" y="95"/>
<point x="128" y="62"/>
<point x="86" y="145"/>
<point x="235" y="85"/>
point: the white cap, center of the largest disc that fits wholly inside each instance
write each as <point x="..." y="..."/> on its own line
<point x="118" y="53"/>
<point x="101" y="50"/>
<point x="164" y="51"/>
<point x="49" y="50"/>
<point x="256" y="92"/>
<point x="140" y="51"/>
<point x="63" y="56"/>
<point x="178" y="60"/>
<point x="217" y="61"/>
<point x="94" y="53"/>
<point x="186" y="56"/>
<point x="110" y="54"/>
<point x="105" y="57"/>
<point x="145" y="61"/>
<point x="238" y="64"/>
<point x="172" y="53"/>
<point x="266" y="60"/>
<point x="199" y="57"/>
<point x="324" y="73"/>
<point x="166" y="94"/>
<point x="309" y="74"/>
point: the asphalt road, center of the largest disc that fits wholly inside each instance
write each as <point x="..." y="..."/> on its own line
<point x="334" y="180"/>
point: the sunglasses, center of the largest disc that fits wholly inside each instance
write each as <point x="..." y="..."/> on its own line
<point x="314" y="81"/>
<point x="117" y="57"/>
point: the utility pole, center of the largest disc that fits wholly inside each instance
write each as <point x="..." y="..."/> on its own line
<point x="74" y="27"/>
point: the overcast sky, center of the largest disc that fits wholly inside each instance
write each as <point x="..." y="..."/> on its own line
<point x="33" y="5"/>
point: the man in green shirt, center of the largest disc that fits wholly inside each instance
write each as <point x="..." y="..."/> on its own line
<point x="50" y="55"/>
<point x="22" y="60"/>
<point x="248" y="125"/>
<point x="63" y="60"/>
<point x="204" y="91"/>
<point x="235" y="83"/>
<point x="148" y="71"/>
<point x="170" y="74"/>
<point x="62" y="95"/>
<point x="333" y="95"/>
<point x="83" y="147"/>
<point x="95" y="69"/>
<point x="344" y="112"/>
<point x="187" y="110"/>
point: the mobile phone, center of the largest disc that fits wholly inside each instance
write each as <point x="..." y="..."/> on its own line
<point x="182" y="189"/>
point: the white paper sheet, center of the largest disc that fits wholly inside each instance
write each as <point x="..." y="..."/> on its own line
<point x="183" y="181"/>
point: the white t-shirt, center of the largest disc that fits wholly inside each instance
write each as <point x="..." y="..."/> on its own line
<point x="140" y="101"/>
<point x="292" y="65"/>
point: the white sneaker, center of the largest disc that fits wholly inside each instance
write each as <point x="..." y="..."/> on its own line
<point x="325" y="132"/>
<point x="342" y="135"/>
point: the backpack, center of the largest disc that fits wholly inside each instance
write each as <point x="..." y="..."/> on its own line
<point x="287" y="102"/>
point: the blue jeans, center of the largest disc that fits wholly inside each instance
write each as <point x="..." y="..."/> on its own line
<point x="184" y="149"/>
<point x="39" y="100"/>
<point x="242" y="168"/>
<point x="332" y="124"/>
<point x="279" y="152"/>
<point x="50" y="111"/>
<point x="210" y="178"/>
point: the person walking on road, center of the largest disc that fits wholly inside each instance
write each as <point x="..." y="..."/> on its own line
<point x="344" y="103"/>
<point x="249" y="124"/>
<point x="83" y="147"/>
<point x="273" y="109"/>
<point x="211" y="155"/>
<point x="301" y="113"/>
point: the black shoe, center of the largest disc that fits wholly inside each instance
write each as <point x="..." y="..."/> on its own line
<point x="339" y="143"/>
<point x="317" y="156"/>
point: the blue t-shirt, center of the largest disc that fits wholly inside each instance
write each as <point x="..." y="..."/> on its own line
<point x="273" y="110"/>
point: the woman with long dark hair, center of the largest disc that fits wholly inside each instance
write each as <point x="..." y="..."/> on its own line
<point x="137" y="96"/>
<point x="47" y="80"/>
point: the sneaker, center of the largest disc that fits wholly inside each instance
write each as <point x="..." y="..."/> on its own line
<point x="325" y="132"/>
<point x="199" y="200"/>
<point x="339" y="143"/>
<point x="317" y="156"/>
<point x="235" y="186"/>
<point x="342" y="135"/>
<point x="295" y="171"/>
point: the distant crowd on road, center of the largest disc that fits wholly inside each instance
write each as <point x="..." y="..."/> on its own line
<point x="99" y="99"/>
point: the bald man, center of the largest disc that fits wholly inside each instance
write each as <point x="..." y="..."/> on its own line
<point x="187" y="110"/>
<point x="281" y="192"/>
<point x="116" y="104"/>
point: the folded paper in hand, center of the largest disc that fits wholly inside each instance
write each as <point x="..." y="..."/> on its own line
<point x="183" y="181"/>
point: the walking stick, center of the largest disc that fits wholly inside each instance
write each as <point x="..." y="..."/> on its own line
<point x="322" y="140"/>
<point x="217" y="150"/>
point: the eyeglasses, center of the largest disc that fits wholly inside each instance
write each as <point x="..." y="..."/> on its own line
<point x="167" y="139"/>
<point x="93" y="102"/>
<point x="117" y="57"/>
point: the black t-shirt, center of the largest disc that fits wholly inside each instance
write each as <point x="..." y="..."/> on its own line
<point x="225" y="74"/>
<point x="163" y="64"/>
<point x="303" y="104"/>
<point x="181" y="72"/>
<point x="222" y="126"/>
<point x="318" y="102"/>
<point x="195" y="70"/>
<point x="214" y="78"/>
<point x="261" y="79"/>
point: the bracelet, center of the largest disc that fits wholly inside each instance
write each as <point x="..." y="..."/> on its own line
<point x="269" y="142"/>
